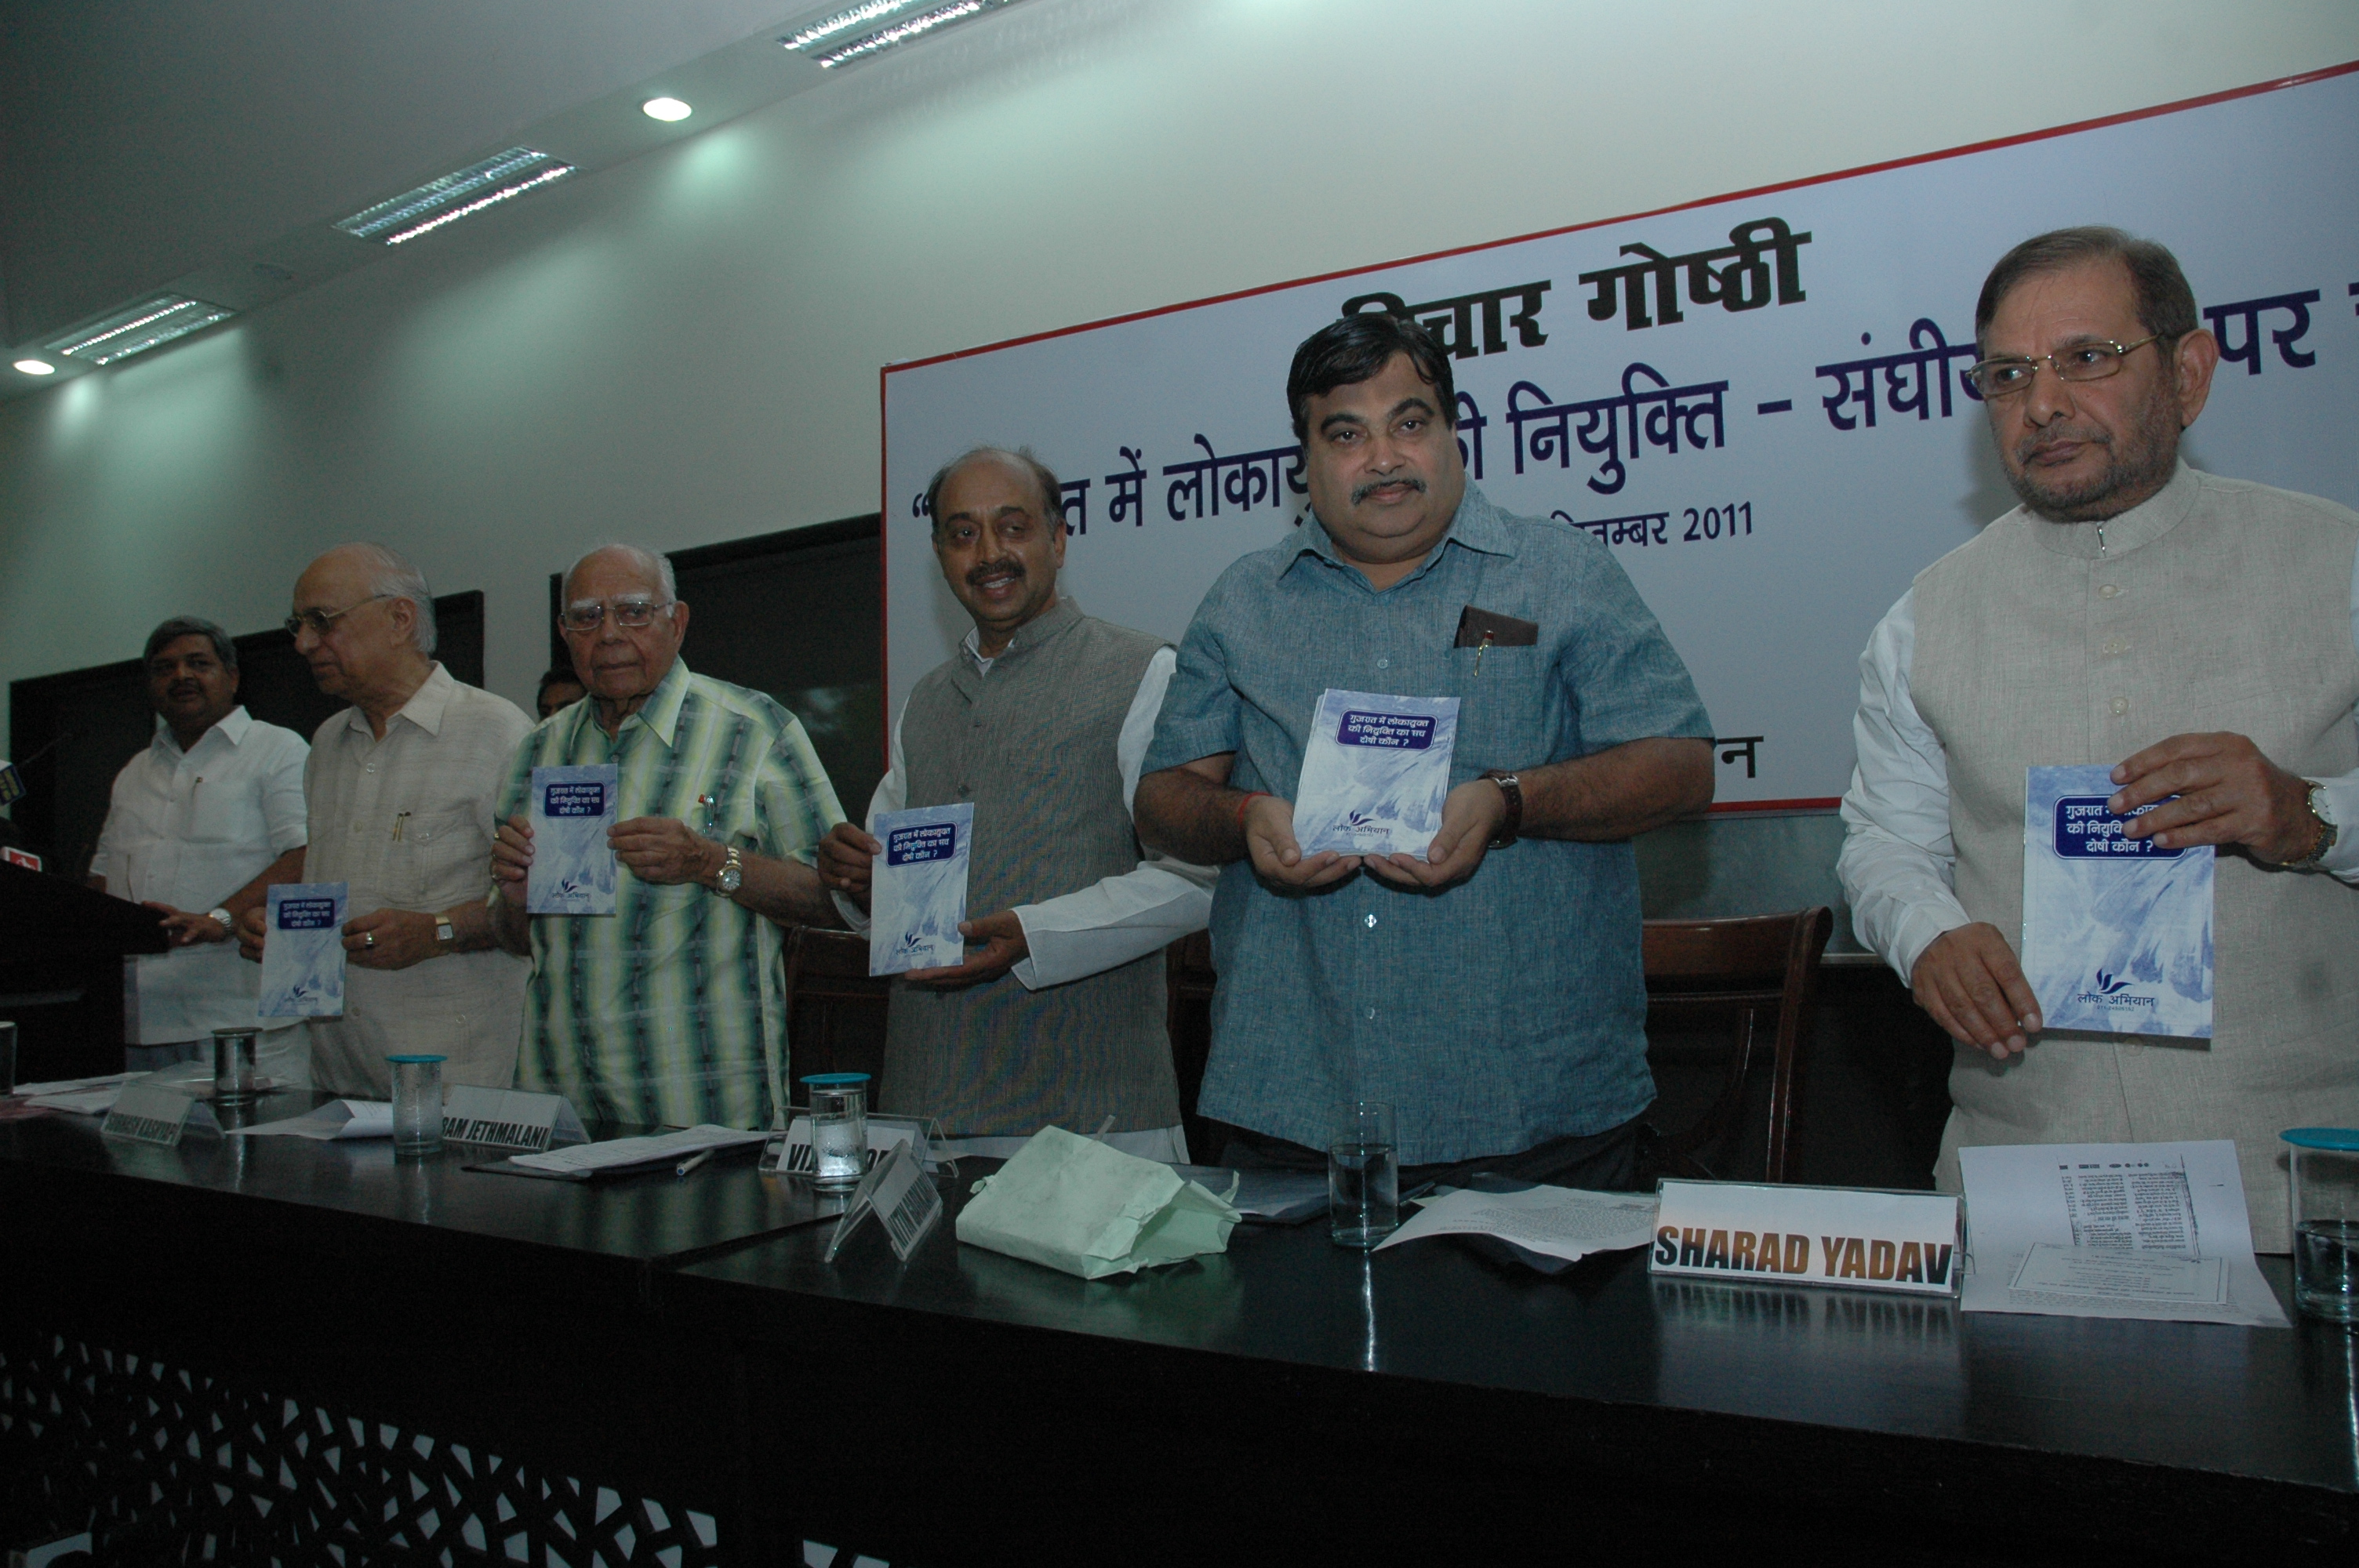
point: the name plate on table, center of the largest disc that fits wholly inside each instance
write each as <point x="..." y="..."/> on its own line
<point x="150" y="1113"/>
<point x="1853" y="1236"/>
<point x="886" y="1133"/>
<point x="897" y="1191"/>
<point x="509" y="1118"/>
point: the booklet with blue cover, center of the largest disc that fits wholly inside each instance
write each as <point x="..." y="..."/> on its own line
<point x="1375" y="773"/>
<point x="303" y="951"/>
<point x="572" y="864"/>
<point x="917" y="891"/>
<point x="2117" y="931"/>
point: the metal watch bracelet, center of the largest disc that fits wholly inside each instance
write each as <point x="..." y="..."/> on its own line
<point x="1512" y="788"/>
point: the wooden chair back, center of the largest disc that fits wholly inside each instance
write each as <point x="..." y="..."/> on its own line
<point x="835" y="1013"/>
<point x="1757" y="979"/>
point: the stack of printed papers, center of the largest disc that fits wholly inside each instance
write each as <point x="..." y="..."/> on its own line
<point x="2155" y="1230"/>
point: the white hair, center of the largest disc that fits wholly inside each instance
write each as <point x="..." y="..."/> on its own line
<point x="392" y="574"/>
<point x="655" y="566"/>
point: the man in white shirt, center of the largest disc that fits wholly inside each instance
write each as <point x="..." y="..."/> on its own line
<point x="1041" y="719"/>
<point x="402" y="786"/>
<point x="2200" y="636"/>
<point x="198" y="823"/>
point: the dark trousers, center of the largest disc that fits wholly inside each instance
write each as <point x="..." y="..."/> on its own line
<point x="1599" y="1162"/>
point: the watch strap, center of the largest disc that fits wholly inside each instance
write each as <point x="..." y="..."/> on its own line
<point x="2330" y="832"/>
<point x="1512" y="788"/>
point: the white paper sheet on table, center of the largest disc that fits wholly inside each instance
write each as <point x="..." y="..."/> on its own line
<point x="83" y="1096"/>
<point x="337" y="1118"/>
<point x="2142" y="1231"/>
<point x="1556" y="1222"/>
<point x="620" y="1154"/>
<point x="1280" y="1196"/>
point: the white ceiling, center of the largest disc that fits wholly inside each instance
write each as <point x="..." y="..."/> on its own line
<point x="147" y="144"/>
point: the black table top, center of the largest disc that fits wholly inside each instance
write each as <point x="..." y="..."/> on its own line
<point x="730" y="1255"/>
<point x="646" y="1218"/>
<point x="2267" y="1403"/>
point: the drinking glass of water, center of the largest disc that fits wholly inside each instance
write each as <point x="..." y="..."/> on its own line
<point x="2324" y="1196"/>
<point x="1363" y="1174"/>
<point x="839" y="1124"/>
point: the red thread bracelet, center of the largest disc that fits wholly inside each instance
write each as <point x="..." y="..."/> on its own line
<point x="1256" y="794"/>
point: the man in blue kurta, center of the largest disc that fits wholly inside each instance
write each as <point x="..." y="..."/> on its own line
<point x="1491" y="988"/>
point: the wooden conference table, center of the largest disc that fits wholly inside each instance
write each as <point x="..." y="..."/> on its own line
<point x="248" y="1349"/>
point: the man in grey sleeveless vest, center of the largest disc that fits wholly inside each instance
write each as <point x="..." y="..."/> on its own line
<point x="1041" y="719"/>
<point x="2200" y="636"/>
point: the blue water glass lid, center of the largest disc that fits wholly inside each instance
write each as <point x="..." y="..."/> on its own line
<point x="836" y="1080"/>
<point x="2343" y="1139"/>
<point x="408" y="1060"/>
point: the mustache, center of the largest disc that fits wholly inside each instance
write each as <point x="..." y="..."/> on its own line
<point x="1008" y="568"/>
<point x="1362" y="492"/>
<point x="2085" y="435"/>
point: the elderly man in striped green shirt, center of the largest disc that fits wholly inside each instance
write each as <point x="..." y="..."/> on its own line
<point x="672" y="1010"/>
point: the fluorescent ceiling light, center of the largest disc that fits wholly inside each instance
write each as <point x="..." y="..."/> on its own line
<point x="143" y="326"/>
<point x="35" y="367"/>
<point x="842" y="21"/>
<point x="439" y="202"/>
<point x="843" y="39"/>
<point x="665" y="109"/>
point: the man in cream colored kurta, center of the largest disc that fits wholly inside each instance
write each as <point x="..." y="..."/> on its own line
<point x="2200" y="637"/>
<point x="402" y="786"/>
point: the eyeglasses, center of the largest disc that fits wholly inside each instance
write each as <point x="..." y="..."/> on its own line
<point x="318" y="620"/>
<point x="2083" y="362"/>
<point x="629" y="613"/>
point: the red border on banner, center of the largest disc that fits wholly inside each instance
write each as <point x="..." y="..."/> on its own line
<point x="884" y="479"/>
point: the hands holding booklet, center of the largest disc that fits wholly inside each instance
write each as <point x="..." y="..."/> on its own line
<point x="1374" y="792"/>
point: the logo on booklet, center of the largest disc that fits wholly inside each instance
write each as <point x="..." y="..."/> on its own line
<point x="574" y="800"/>
<point x="2086" y="830"/>
<point x="915" y="846"/>
<point x="2109" y="993"/>
<point x="1393" y="731"/>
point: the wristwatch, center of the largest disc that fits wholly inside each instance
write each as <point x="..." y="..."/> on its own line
<point x="731" y="875"/>
<point x="2329" y="831"/>
<point x="445" y="933"/>
<point x="1513" y="788"/>
<point x="223" y="918"/>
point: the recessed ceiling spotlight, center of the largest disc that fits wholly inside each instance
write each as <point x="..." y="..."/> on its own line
<point x="444" y="200"/>
<point x="912" y="23"/>
<point x="35" y="367"/>
<point x="145" y="326"/>
<point x="665" y="109"/>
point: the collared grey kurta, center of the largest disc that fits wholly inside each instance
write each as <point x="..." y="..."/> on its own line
<point x="1496" y="1014"/>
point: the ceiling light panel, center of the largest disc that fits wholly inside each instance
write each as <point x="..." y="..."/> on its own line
<point x="147" y="325"/>
<point x="455" y="195"/>
<point x="854" y="34"/>
<point x="844" y="21"/>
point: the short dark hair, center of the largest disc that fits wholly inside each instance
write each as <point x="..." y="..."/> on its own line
<point x="1354" y="348"/>
<point x="557" y="674"/>
<point x="1052" y="493"/>
<point x="182" y="626"/>
<point x="2166" y="306"/>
